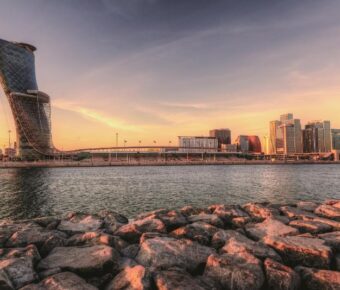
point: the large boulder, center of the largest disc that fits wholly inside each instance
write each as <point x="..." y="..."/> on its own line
<point x="30" y="251"/>
<point x="328" y="211"/>
<point x="235" y="271"/>
<point x="82" y="260"/>
<point x="19" y="270"/>
<point x="165" y="253"/>
<point x="112" y="220"/>
<point x="133" y="231"/>
<point x="133" y="278"/>
<point x="5" y="282"/>
<point x="280" y="277"/>
<point x="260" y="211"/>
<point x="180" y="280"/>
<point x="310" y="252"/>
<point x="313" y="227"/>
<point x="269" y="227"/>
<point x="80" y="223"/>
<point x="212" y="219"/>
<point x="61" y="281"/>
<point x="332" y="239"/>
<point x="316" y="279"/>
<point x="228" y="212"/>
<point x="198" y="231"/>
<point x="238" y="243"/>
<point x="296" y="212"/>
<point x="307" y="205"/>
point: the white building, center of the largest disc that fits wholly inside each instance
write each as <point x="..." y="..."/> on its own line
<point x="193" y="144"/>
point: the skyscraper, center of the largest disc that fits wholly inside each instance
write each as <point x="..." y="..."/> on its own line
<point x="285" y="136"/>
<point x="30" y="107"/>
<point x="317" y="137"/>
<point x="336" y="139"/>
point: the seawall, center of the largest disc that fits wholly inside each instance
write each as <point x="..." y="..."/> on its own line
<point x="251" y="246"/>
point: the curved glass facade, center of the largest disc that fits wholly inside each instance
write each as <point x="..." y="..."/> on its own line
<point x="31" y="108"/>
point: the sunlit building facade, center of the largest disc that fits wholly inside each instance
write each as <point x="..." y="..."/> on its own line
<point x="192" y="144"/>
<point x="223" y="136"/>
<point x="335" y="139"/>
<point x="248" y="144"/>
<point x="317" y="137"/>
<point x="31" y="108"/>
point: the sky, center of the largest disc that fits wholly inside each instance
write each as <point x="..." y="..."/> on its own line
<point x="152" y="70"/>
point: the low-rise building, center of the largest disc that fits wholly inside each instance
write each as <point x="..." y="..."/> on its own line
<point x="193" y="144"/>
<point x="229" y="148"/>
<point x="223" y="136"/>
<point x="247" y="144"/>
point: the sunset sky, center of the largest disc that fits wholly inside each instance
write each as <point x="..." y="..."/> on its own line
<point x="153" y="69"/>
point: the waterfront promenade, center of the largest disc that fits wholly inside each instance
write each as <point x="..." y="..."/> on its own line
<point x="251" y="246"/>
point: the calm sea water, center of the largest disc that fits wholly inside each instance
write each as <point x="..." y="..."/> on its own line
<point x="26" y="193"/>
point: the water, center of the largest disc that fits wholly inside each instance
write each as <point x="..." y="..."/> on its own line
<point x="26" y="193"/>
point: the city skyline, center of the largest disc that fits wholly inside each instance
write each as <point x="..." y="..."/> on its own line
<point x="174" y="74"/>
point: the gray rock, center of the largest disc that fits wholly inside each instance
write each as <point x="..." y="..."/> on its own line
<point x="316" y="279"/>
<point x="307" y="205"/>
<point x="198" y="231"/>
<point x="334" y="224"/>
<point x="30" y="251"/>
<point x="134" y="230"/>
<point x="239" y="243"/>
<point x="281" y="277"/>
<point x="313" y="227"/>
<point x="61" y="281"/>
<point x="337" y="262"/>
<point x="296" y="213"/>
<point x="5" y="282"/>
<point x="328" y="211"/>
<point x="235" y="271"/>
<point x="133" y="278"/>
<point x="332" y="239"/>
<point x="131" y="251"/>
<point x="190" y="210"/>
<point x="260" y="211"/>
<point x="80" y="223"/>
<point x="310" y="252"/>
<point x="228" y="213"/>
<point x="219" y="238"/>
<point x="19" y="270"/>
<point x="180" y="280"/>
<point x="82" y="260"/>
<point x="211" y="219"/>
<point x="165" y="253"/>
<point x="269" y="227"/>
<point x="112" y="220"/>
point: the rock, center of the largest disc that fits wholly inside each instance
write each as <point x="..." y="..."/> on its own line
<point x="198" y="231"/>
<point x="30" y="251"/>
<point x="212" y="219"/>
<point x="165" y="253"/>
<point x="328" y="211"/>
<point x="50" y="243"/>
<point x="133" y="231"/>
<point x="315" y="279"/>
<point x="228" y="213"/>
<point x="337" y="262"/>
<point x="80" y="223"/>
<point x="334" y="224"/>
<point x="82" y="260"/>
<point x="152" y="235"/>
<point x="6" y="231"/>
<point x="280" y="277"/>
<point x="333" y="202"/>
<point x="112" y="220"/>
<point x="31" y="233"/>
<point x="189" y="210"/>
<point x="45" y="221"/>
<point x="259" y="211"/>
<point x="50" y="272"/>
<point x="235" y="271"/>
<point x="312" y="227"/>
<point x="131" y="251"/>
<point x="239" y="243"/>
<point x="61" y="281"/>
<point x="269" y="227"/>
<point x="100" y="281"/>
<point x="332" y="239"/>
<point x="173" y="220"/>
<point x="19" y="270"/>
<point x="296" y="213"/>
<point x="240" y="222"/>
<point x="5" y="282"/>
<point x="134" y="278"/>
<point x="180" y="280"/>
<point x="310" y="252"/>
<point x="307" y="205"/>
<point x="219" y="238"/>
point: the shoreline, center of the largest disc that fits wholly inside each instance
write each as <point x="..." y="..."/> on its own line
<point x="57" y="164"/>
<point x="251" y="246"/>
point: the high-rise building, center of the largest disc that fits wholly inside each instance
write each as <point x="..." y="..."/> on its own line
<point x="285" y="136"/>
<point x="336" y="139"/>
<point x="30" y="107"/>
<point x="317" y="137"/>
<point x="223" y="136"/>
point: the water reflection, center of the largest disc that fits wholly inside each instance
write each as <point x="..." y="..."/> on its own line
<point x="26" y="193"/>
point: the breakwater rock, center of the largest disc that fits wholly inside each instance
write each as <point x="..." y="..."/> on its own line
<point x="251" y="246"/>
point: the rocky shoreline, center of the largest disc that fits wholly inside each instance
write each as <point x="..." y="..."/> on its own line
<point x="253" y="246"/>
